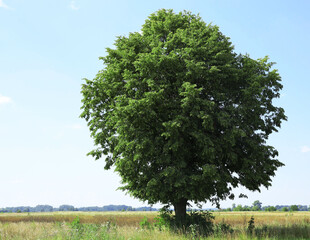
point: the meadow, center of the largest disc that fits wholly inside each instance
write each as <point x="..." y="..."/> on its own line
<point x="139" y="225"/>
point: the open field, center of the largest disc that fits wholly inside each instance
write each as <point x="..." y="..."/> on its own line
<point x="263" y="218"/>
<point x="125" y="225"/>
<point x="133" y="218"/>
<point x="119" y="218"/>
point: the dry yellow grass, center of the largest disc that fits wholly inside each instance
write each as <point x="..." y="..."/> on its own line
<point x="119" y="218"/>
<point x="262" y="218"/>
<point x="56" y="225"/>
<point x="133" y="218"/>
<point x="27" y="230"/>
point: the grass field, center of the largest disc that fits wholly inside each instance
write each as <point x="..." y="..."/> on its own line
<point x="125" y="225"/>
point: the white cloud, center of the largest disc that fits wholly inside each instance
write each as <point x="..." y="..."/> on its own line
<point x="73" y="5"/>
<point x="3" y="5"/>
<point x="3" y="99"/>
<point x="305" y="149"/>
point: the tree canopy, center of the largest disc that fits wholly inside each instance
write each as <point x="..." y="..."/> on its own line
<point x="180" y="115"/>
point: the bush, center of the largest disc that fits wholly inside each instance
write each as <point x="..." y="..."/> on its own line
<point x="251" y="226"/>
<point x="145" y="224"/>
<point x="76" y="226"/>
<point x="195" y="223"/>
<point x="223" y="229"/>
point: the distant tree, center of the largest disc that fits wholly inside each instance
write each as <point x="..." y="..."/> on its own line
<point x="181" y="116"/>
<point x="242" y="208"/>
<point x="238" y="208"/>
<point x="257" y="206"/>
<point x="271" y="209"/>
<point x="294" y="208"/>
<point x="302" y="208"/>
<point x="43" y="208"/>
<point x="129" y="209"/>
<point x="66" y="208"/>
<point x="284" y="209"/>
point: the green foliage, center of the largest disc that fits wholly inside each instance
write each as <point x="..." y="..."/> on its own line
<point x="163" y="220"/>
<point x="294" y="208"/>
<point x="196" y="223"/>
<point x="109" y="225"/>
<point x="90" y="231"/>
<point x="223" y="228"/>
<point x="257" y="206"/>
<point x="180" y="115"/>
<point x="76" y="225"/>
<point x="284" y="209"/>
<point x="240" y="208"/>
<point x="261" y="232"/>
<point x="271" y="209"/>
<point x="251" y="226"/>
<point x="145" y="224"/>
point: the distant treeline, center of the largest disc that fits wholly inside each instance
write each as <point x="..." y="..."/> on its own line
<point x="257" y="206"/>
<point x="48" y="208"/>
<point x="284" y="208"/>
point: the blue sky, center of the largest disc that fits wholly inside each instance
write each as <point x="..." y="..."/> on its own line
<point x="47" y="47"/>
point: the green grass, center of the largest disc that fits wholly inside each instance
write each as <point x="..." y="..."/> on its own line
<point x="125" y="225"/>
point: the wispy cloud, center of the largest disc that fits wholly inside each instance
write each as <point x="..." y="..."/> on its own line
<point x="73" y="5"/>
<point x="3" y="5"/>
<point x="3" y="99"/>
<point x="305" y="149"/>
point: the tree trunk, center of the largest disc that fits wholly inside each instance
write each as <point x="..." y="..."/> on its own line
<point x="180" y="209"/>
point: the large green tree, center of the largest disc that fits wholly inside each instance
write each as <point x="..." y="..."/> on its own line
<point x="180" y="115"/>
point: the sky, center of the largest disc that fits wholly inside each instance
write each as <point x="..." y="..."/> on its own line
<point x="48" y="47"/>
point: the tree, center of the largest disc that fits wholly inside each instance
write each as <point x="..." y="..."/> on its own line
<point x="284" y="209"/>
<point x="294" y="208"/>
<point x="240" y="208"/>
<point x="257" y="206"/>
<point x="181" y="116"/>
<point x="66" y="208"/>
<point x="270" y="209"/>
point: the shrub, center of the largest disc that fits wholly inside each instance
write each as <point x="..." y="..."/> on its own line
<point x="195" y="223"/>
<point x="223" y="229"/>
<point x="251" y="225"/>
<point x="145" y="224"/>
<point x="76" y="225"/>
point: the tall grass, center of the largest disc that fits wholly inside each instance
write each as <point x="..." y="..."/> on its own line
<point x="262" y="218"/>
<point x="119" y="218"/>
<point x="125" y="225"/>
